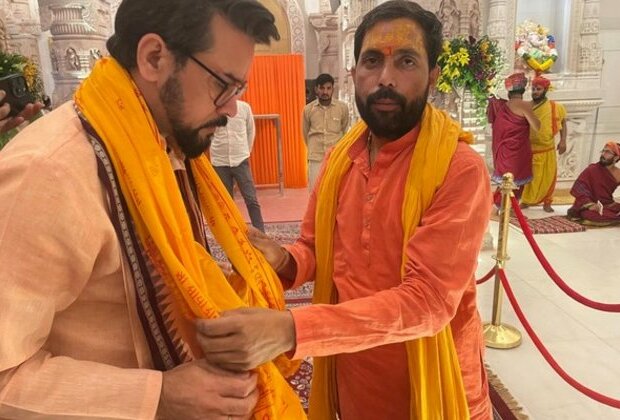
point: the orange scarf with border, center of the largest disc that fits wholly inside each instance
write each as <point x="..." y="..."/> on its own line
<point x="115" y="108"/>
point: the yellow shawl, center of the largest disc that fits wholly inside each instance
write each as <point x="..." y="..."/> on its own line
<point x="437" y="390"/>
<point x="115" y="108"/>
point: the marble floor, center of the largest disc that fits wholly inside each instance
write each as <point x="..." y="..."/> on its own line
<point x="584" y="341"/>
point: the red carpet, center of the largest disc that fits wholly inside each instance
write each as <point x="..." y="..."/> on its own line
<point x="552" y="224"/>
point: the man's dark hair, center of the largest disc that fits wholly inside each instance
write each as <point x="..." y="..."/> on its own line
<point x="185" y="25"/>
<point x="395" y="9"/>
<point x="322" y="79"/>
<point x="516" y="92"/>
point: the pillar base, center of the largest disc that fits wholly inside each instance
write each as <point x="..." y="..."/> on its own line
<point x="501" y="336"/>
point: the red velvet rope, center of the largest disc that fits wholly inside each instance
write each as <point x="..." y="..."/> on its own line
<point x="548" y="357"/>
<point x="486" y="278"/>
<point x="607" y="307"/>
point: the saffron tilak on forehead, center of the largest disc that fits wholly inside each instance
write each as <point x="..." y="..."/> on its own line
<point x="389" y="37"/>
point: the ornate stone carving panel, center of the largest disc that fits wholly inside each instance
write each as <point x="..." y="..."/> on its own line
<point x="96" y="13"/>
<point x="296" y="21"/>
<point x="326" y="28"/>
<point x="569" y="163"/>
<point x="591" y="53"/>
<point x="75" y="46"/>
<point x="19" y="28"/>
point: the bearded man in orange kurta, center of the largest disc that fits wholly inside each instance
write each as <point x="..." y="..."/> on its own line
<point x="390" y="237"/>
<point x="103" y="258"/>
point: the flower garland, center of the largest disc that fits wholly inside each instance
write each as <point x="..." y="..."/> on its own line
<point x="471" y="64"/>
<point x="536" y="46"/>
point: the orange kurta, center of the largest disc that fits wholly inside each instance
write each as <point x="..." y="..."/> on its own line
<point x="71" y="341"/>
<point x="377" y="312"/>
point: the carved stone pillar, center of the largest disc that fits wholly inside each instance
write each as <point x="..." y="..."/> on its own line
<point x="591" y="53"/>
<point x="473" y="23"/>
<point x="22" y="28"/>
<point x="501" y="27"/>
<point x="74" y="48"/>
<point x="450" y="15"/>
<point x="326" y="27"/>
<point x="578" y="87"/>
<point x="579" y="139"/>
<point x="350" y="15"/>
<point x="325" y="7"/>
<point x="3" y="36"/>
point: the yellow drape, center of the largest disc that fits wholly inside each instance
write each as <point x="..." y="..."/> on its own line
<point x="276" y="86"/>
<point x="437" y="390"/>
<point x="544" y="159"/>
<point x="115" y="108"/>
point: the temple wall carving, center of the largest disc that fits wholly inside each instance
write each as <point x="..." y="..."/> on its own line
<point x="66" y="37"/>
<point x="20" y="27"/>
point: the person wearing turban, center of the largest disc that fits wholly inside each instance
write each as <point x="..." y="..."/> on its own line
<point x="511" y="121"/>
<point x="552" y="116"/>
<point x="594" y="190"/>
<point x="516" y="82"/>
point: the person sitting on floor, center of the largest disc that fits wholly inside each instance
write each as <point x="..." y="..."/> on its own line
<point x="594" y="188"/>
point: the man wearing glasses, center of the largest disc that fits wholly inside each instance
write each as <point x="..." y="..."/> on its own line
<point x="594" y="190"/>
<point x="103" y="260"/>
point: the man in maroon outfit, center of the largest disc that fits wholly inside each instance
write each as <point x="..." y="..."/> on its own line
<point x="511" y="121"/>
<point x="593" y="191"/>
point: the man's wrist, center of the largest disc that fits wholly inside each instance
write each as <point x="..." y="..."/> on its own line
<point x="288" y="326"/>
<point x="284" y="260"/>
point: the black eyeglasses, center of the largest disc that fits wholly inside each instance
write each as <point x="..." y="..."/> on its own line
<point x="229" y="89"/>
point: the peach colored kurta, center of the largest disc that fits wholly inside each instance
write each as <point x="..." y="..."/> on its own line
<point x="378" y="309"/>
<point x="71" y="342"/>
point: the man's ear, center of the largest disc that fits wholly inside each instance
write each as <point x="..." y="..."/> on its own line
<point x="434" y="75"/>
<point x="153" y="58"/>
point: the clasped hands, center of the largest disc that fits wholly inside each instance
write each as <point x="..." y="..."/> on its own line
<point x="243" y="339"/>
<point x="222" y="385"/>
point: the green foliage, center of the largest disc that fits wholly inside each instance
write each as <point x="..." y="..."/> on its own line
<point x="471" y="64"/>
<point x="11" y="63"/>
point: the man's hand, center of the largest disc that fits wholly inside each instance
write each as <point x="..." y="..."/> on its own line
<point x="243" y="339"/>
<point x="199" y="390"/>
<point x="7" y="123"/>
<point x="275" y="254"/>
<point x="561" y="147"/>
<point x="599" y="208"/>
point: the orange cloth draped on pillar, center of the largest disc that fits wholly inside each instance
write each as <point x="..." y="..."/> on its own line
<point x="276" y="86"/>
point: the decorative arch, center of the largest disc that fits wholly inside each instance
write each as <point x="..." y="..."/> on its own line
<point x="296" y="25"/>
<point x="295" y="21"/>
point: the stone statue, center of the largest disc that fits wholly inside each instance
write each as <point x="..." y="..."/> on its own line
<point x="54" y="60"/>
<point x="449" y="15"/>
<point x="474" y="19"/>
<point x="3" y="37"/>
<point x="73" y="60"/>
<point x="94" y="55"/>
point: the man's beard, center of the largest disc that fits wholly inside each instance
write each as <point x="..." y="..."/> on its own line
<point x="391" y="125"/>
<point x="606" y="162"/>
<point x="187" y="138"/>
<point x="325" y="98"/>
<point x="541" y="98"/>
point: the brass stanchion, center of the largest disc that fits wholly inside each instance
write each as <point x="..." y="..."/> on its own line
<point x="496" y="334"/>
